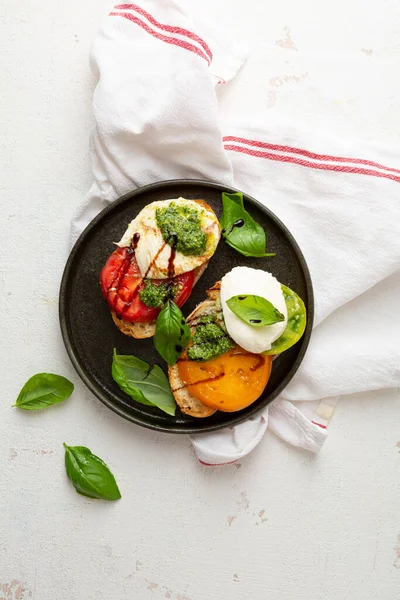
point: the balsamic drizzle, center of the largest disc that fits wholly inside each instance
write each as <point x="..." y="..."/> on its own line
<point x="153" y="262"/>
<point x="173" y="241"/>
<point x="186" y="385"/>
<point x="238" y="223"/>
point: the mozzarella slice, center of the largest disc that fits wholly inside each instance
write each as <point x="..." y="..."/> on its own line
<point x="153" y="254"/>
<point x="243" y="280"/>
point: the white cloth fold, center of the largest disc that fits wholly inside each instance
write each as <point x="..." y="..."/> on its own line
<point x="161" y="112"/>
<point x="232" y="443"/>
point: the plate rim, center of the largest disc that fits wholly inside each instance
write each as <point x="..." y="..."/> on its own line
<point x="99" y="392"/>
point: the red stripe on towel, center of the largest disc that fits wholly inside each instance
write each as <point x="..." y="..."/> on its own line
<point x="169" y="28"/>
<point x="307" y="153"/>
<point x="217" y="464"/>
<point x="319" y="424"/>
<point x="312" y="165"/>
<point x="160" y="36"/>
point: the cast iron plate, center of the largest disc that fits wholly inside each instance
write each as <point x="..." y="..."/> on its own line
<point x="90" y="335"/>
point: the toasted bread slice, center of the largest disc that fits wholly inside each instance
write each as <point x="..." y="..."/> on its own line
<point x="184" y="399"/>
<point x="141" y="331"/>
<point x="214" y="291"/>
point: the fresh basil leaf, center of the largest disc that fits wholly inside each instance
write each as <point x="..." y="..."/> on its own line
<point x="127" y="371"/>
<point x="90" y="475"/>
<point x="255" y="310"/>
<point x="228" y="204"/>
<point x="172" y="333"/>
<point x="43" y="390"/>
<point x="296" y="324"/>
<point x="145" y="384"/>
<point x="239" y="229"/>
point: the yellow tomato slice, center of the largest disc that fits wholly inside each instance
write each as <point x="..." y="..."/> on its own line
<point x="229" y="382"/>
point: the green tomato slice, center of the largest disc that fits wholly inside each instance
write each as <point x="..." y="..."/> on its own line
<point x="296" y="323"/>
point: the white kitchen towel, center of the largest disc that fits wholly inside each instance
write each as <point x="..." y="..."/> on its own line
<point x="161" y="112"/>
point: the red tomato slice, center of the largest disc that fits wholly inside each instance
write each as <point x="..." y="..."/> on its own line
<point x="121" y="282"/>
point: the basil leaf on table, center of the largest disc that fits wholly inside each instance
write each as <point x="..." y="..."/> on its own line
<point x="296" y="324"/>
<point x="240" y="230"/>
<point x="89" y="474"/>
<point x="145" y="384"/>
<point x="172" y="333"/>
<point x="255" y="310"/>
<point x="43" y="390"/>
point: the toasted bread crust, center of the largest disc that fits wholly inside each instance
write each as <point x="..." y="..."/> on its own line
<point x="214" y="291"/>
<point x="184" y="399"/>
<point x="138" y="331"/>
<point x="204" y="204"/>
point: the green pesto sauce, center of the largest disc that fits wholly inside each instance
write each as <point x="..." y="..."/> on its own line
<point x="155" y="296"/>
<point x="209" y="341"/>
<point x="183" y="221"/>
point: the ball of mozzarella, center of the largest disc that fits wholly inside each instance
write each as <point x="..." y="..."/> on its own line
<point x="244" y="280"/>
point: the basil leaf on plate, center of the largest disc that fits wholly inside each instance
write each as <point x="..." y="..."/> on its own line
<point x="89" y="474"/>
<point x="145" y="384"/>
<point x="239" y="229"/>
<point x="296" y="324"/>
<point x="255" y="310"/>
<point x="43" y="390"/>
<point x="172" y="333"/>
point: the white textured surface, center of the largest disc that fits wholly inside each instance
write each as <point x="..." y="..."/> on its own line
<point x="281" y="525"/>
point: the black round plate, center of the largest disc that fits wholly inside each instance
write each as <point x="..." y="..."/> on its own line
<point x="90" y="335"/>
